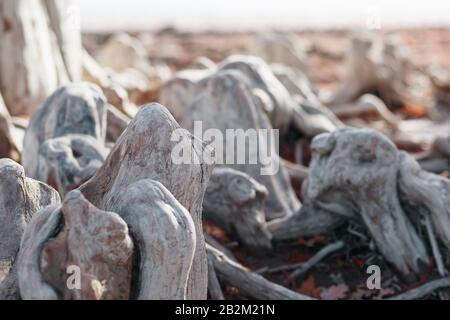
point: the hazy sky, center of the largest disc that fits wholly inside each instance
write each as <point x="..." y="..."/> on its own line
<point x="245" y="14"/>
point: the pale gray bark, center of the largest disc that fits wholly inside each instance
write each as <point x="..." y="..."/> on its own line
<point x="165" y="236"/>
<point x="249" y="283"/>
<point x="39" y="52"/>
<point x="67" y="162"/>
<point x="374" y="65"/>
<point x="179" y="92"/>
<point x="75" y="234"/>
<point x="359" y="174"/>
<point x="144" y="151"/>
<point x="367" y="103"/>
<point x="423" y="290"/>
<point x="116" y="123"/>
<point x="236" y="202"/>
<point x="274" y="98"/>
<point x="299" y="106"/>
<point x="284" y="48"/>
<point x="354" y="172"/>
<point x="9" y="146"/>
<point x="20" y="198"/>
<point x="226" y="102"/>
<point x="64" y="141"/>
<point x="214" y="289"/>
<point x="64" y="21"/>
<point x="426" y="193"/>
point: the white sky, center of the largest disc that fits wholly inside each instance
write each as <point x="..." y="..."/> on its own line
<point x="251" y="14"/>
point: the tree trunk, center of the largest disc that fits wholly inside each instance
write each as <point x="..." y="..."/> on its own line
<point x="40" y="50"/>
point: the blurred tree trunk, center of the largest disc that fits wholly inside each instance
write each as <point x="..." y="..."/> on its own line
<point x="40" y="50"/>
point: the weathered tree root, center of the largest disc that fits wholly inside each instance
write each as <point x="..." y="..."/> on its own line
<point x="214" y="289"/>
<point x="309" y="115"/>
<point x="165" y="235"/>
<point x="9" y="144"/>
<point x="20" y="198"/>
<point x="78" y="237"/>
<point x="143" y="153"/>
<point x="283" y="48"/>
<point x="423" y="290"/>
<point x="302" y="109"/>
<point x="227" y="103"/>
<point x="425" y="193"/>
<point x="438" y="158"/>
<point x="179" y="92"/>
<point x="249" y="283"/>
<point x="99" y="244"/>
<point x="308" y="221"/>
<point x="273" y="98"/>
<point x="141" y="188"/>
<point x="440" y="82"/>
<point x="64" y="143"/>
<point x="322" y="253"/>
<point x="235" y="202"/>
<point x="367" y="103"/>
<point x="374" y="66"/>
<point x="358" y="173"/>
<point x="216" y="244"/>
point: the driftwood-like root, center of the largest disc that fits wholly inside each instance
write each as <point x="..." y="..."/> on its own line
<point x="425" y="193"/>
<point x="64" y="143"/>
<point x="225" y="103"/>
<point x="374" y="66"/>
<point x="367" y="103"/>
<point x="20" y="198"/>
<point x="75" y="240"/>
<point x="9" y="144"/>
<point x="359" y="174"/>
<point x="67" y="162"/>
<point x="142" y="153"/>
<point x="164" y="233"/>
<point x="249" y="283"/>
<point x="423" y="290"/>
<point x="235" y="202"/>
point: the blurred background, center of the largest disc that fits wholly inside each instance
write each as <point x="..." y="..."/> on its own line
<point x="107" y="15"/>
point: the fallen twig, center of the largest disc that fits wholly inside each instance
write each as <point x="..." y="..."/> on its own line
<point x="249" y="283"/>
<point x="216" y="244"/>
<point x="435" y="248"/>
<point x="305" y="266"/>
<point x="423" y="290"/>
<point x="214" y="289"/>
